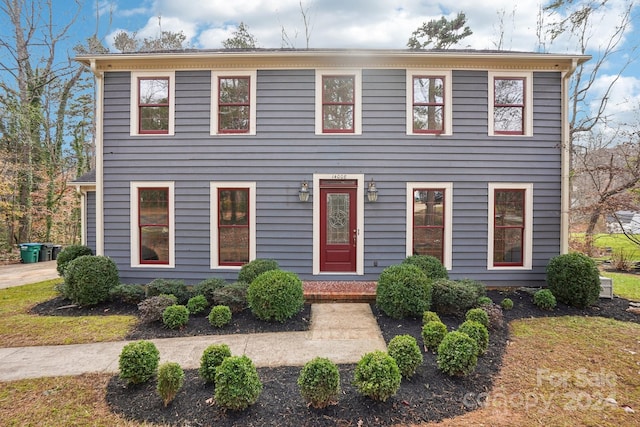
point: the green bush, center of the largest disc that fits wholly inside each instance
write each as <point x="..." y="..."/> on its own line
<point x="197" y="304"/>
<point x="478" y="332"/>
<point x="169" y="287"/>
<point x="219" y="316"/>
<point x="207" y="287"/>
<point x="211" y="358"/>
<point x="253" y="269"/>
<point x="405" y="351"/>
<point x="138" y="362"/>
<point x="152" y="308"/>
<point x="478" y="315"/>
<point x="233" y="296"/>
<point x="175" y="316"/>
<point x="68" y="254"/>
<point x="506" y="304"/>
<point x="430" y="265"/>
<point x="479" y="287"/>
<point x="430" y="316"/>
<point x="275" y="295"/>
<point x="319" y="382"/>
<point x="574" y="279"/>
<point x="237" y="383"/>
<point x="128" y="294"/>
<point x="544" y="299"/>
<point x="496" y="318"/>
<point x="403" y="291"/>
<point x="89" y="279"/>
<point x="484" y="301"/>
<point x="457" y="354"/>
<point x="453" y="297"/>
<point x="170" y="381"/>
<point x="432" y="334"/>
<point x="377" y="376"/>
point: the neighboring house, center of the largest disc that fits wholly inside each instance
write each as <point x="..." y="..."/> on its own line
<point x="624" y="221"/>
<point x="86" y="187"/>
<point x="335" y="163"/>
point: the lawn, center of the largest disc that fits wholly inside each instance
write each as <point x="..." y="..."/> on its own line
<point x="613" y="243"/>
<point x="625" y="285"/>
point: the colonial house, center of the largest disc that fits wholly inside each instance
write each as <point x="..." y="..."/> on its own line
<point x="334" y="163"/>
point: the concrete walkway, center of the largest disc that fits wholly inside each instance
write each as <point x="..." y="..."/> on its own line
<point x="23" y="274"/>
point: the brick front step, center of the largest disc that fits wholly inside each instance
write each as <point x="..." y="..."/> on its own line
<point x="341" y="291"/>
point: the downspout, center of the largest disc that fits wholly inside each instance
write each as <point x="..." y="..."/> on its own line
<point x="99" y="156"/>
<point x="565" y="181"/>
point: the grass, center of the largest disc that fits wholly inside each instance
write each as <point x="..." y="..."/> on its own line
<point x="625" y="285"/>
<point x="19" y="328"/>
<point x="615" y="242"/>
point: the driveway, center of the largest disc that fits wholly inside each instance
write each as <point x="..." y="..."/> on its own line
<point x="22" y="274"/>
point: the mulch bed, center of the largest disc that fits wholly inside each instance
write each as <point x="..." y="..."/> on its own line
<point x="429" y="395"/>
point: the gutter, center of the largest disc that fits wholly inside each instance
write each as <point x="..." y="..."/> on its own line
<point x="99" y="157"/>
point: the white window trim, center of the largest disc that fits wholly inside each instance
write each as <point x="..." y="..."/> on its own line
<point x="135" y="75"/>
<point x="133" y="213"/>
<point x="357" y="114"/>
<point x="528" y="101"/>
<point x="448" y="218"/>
<point x="448" y="101"/>
<point x="214" y="238"/>
<point x="253" y="79"/>
<point x="527" y="256"/>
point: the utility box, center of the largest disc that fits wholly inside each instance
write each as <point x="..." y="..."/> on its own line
<point x="606" y="287"/>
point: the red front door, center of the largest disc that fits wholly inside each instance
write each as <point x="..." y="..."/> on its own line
<point x="338" y="226"/>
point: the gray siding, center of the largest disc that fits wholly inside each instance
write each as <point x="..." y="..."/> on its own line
<point x="90" y="220"/>
<point x="286" y="151"/>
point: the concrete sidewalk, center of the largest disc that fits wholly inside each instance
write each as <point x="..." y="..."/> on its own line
<point x="343" y="332"/>
<point x="24" y="274"/>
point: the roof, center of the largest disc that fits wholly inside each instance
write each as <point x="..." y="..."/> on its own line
<point x="87" y="178"/>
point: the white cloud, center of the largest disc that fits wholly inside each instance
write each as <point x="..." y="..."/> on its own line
<point x="623" y="100"/>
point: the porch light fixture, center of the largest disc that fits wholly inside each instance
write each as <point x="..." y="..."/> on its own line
<point x="372" y="191"/>
<point x="303" y="193"/>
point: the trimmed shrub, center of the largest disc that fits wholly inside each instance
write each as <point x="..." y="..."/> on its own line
<point x="403" y="291"/>
<point x="432" y="334"/>
<point x="478" y="332"/>
<point x="457" y="354"/>
<point x="453" y="297"/>
<point x="233" y="296"/>
<point x="496" y="318"/>
<point x="253" y="269"/>
<point x="506" y="304"/>
<point x="430" y="265"/>
<point x="152" y="308"/>
<point x="197" y="304"/>
<point x="405" y="351"/>
<point x="574" y="279"/>
<point x="430" y="316"/>
<point x="482" y="301"/>
<point x="68" y="254"/>
<point x="319" y="383"/>
<point x="275" y="295"/>
<point x="170" y="381"/>
<point x="175" y="316"/>
<point x="89" y="279"/>
<point x="211" y="358"/>
<point x="377" y="376"/>
<point x="478" y="315"/>
<point x="169" y="287"/>
<point x="207" y="288"/>
<point x="219" y="316"/>
<point x="138" y="362"/>
<point x="128" y="294"/>
<point x="544" y="299"/>
<point x="237" y="383"/>
<point x="479" y="287"/>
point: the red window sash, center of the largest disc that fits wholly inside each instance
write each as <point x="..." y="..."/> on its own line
<point x="141" y="106"/>
<point x="520" y="106"/>
<point x="352" y="104"/>
<point x="141" y="225"/>
<point x="226" y="226"/>
<point x="432" y="227"/>
<point x="429" y="104"/>
<point x="510" y="227"/>
<point x="234" y="104"/>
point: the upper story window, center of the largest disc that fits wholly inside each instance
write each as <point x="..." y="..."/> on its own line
<point x="152" y="103"/>
<point x="510" y="104"/>
<point x="233" y="103"/>
<point x="338" y="102"/>
<point x="429" y="106"/>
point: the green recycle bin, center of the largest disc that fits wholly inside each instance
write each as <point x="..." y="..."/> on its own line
<point x="29" y="252"/>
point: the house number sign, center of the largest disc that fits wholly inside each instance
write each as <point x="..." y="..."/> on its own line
<point x="339" y="176"/>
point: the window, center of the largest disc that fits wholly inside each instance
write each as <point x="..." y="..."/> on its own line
<point x="233" y="102"/>
<point x="152" y="103"/>
<point x="510" y="104"/>
<point x="233" y="220"/>
<point x="338" y="102"/>
<point x="510" y="230"/>
<point x="429" y="217"/>
<point x="152" y="224"/>
<point x="429" y="106"/>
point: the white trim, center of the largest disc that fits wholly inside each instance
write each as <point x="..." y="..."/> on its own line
<point x="357" y="114"/>
<point x="133" y="214"/>
<point x="99" y="137"/>
<point x="528" y="101"/>
<point x="527" y="256"/>
<point x="133" y="125"/>
<point x="448" y="218"/>
<point x="253" y="82"/>
<point x="213" y="221"/>
<point x="359" y="226"/>
<point x="448" y="101"/>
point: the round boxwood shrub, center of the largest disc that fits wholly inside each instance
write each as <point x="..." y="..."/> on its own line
<point x="237" y="383"/>
<point x="453" y="297"/>
<point x="544" y="299"/>
<point x="138" y="362"/>
<point x="405" y="351"/>
<point x="197" y="304"/>
<point x="457" y="354"/>
<point x="478" y="332"/>
<point x="275" y="295"/>
<point x="207" y="287"/>
<point x="574" y="279"/>
<point x="377" y="376"/>
<point x="253" y="269"/>
<point x="430" y="316"/>
<point x="169" y="287"/>
<point x="478" y="315"/>
<point x="89" y="280"/>
<point x="68" y="254"/>
<point x="430" y="265"/>
<point x="175" y="316"/>
<point x="170" y="381"/>
<point x="432" y="334"/>
<point x="319" y="382"/>
<point x="128" y="294"/>
<point x="506" y="304"/>
<point x="219" y="316"/>
<point x="403" y="291"/>
<point x="211" y="358"/>
<point x="484" y="300"/>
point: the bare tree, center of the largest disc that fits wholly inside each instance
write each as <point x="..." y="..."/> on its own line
<point x="287" y="41"/>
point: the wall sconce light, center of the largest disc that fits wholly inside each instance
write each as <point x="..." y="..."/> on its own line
<point x="303" y="193"/>
<point x="372" y="191"/>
